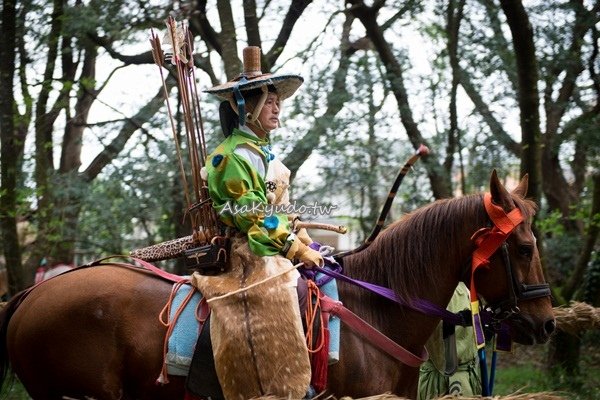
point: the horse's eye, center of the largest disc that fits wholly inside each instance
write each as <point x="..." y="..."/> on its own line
<point x="525" y="250"/>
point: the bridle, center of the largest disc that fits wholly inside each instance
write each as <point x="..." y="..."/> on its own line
<point x="518" y="291"/>
<point x="488" y="241"/>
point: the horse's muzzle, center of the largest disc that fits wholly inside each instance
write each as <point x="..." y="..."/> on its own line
<point x="525" y="330"/>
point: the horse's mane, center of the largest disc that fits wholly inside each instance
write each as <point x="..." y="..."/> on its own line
<point x="420" y="244"/>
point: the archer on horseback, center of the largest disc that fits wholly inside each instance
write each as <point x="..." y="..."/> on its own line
<point x="244" y="178"/>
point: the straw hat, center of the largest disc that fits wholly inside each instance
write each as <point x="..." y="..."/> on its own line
<point x="253" y="77"/>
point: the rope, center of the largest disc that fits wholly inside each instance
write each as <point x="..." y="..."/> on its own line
<point x="240" y="290"/>
<point x="312" y="310"/>
<point x="163" y="318"/>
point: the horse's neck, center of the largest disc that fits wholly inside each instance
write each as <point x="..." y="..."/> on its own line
<point x="439" y="274"/>
<point x="403" y="325"/>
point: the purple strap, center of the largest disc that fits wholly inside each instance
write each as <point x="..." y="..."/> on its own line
<point x="420" y="305"/>
<point x="330" y="263"/>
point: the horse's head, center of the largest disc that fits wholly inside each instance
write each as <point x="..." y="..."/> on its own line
<point x="513" y="284"/>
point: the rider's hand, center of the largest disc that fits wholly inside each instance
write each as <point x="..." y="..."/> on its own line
<point x="302" y="234"/>
<point x="302" y="252"/>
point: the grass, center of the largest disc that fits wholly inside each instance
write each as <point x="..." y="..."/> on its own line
<point x="14" y="391"/>
<point x="530" y="379"/>
<point x="525" y="370"/>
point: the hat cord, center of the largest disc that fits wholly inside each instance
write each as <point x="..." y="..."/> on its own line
<point x="240" y="101"/>
<point x="240" y="104"/>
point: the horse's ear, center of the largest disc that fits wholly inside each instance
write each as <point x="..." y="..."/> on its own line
<point x="521" y="189"/>
<point x="499" y="193"/>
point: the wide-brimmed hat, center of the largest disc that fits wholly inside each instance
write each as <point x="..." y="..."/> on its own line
<point x="252" y="77"/>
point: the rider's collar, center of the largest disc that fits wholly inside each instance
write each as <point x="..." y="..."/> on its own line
<point x="246" y="132"/>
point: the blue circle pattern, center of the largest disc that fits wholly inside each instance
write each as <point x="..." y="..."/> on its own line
<point x="217" y="160"/>
<point x="271" y="222"/>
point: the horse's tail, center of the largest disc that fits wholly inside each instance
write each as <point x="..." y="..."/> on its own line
<point x="8" y="309"/>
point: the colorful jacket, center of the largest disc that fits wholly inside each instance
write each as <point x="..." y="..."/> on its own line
<point x="239" y="193"/>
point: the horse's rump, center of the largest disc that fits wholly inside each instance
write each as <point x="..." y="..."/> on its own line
<point x="90" y="323"/>
<point x="257" y="334"/>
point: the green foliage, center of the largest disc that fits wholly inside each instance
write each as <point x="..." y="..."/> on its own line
<point x="14" y="390"/>
<point x="551" y="224"/>
<point x="591" y="286"/>
<point x="115" y="19"/>
<point x="525" y="370"/>
<point x="128" y="207"/>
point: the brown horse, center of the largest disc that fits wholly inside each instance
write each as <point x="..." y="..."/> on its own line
<point x="94" y="332"/>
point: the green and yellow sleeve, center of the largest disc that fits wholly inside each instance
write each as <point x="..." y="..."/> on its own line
<point x="239" y="196"/>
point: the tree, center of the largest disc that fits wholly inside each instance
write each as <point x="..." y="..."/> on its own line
<point x="440" y="182"/>
<point x="11" y="147"/>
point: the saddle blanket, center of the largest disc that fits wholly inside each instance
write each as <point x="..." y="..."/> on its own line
<point x="185" y="333"/>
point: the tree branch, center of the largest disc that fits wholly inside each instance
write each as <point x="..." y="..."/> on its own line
<point x="200" y="25"/>
<point x="112" y="150"/>
<point x="573" y="66"/>
<point x="229" y="39"/>
<point x="488" y="117"/>
<point x="439" y="183"/>
<point x="296" y="9"/>
<point x="251" y="22"/>
<point x="335" y="101"/>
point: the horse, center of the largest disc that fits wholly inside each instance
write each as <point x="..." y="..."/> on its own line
<point x="94" y="332"/>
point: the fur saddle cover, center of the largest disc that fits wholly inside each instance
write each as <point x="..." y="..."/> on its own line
<point x="256" y="334"/>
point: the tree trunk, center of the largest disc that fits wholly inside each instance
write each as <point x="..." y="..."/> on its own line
<point x="440" y="181"/>
<point x="454" y="16"/>
<point x="527" y="72"/>
<point x="9" y="147"/>
<point x="228" y="39"/>
<point x="44" y="145"/>
<point x="564" y="349"/>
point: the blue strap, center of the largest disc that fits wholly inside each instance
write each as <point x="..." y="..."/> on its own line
<point x="485" y="389"/>
<point x="487" y="383"/>
<point x="240" y="100"/>
<point x="492" y="372"/>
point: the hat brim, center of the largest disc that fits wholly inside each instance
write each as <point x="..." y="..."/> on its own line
<point x="286" y="85"/>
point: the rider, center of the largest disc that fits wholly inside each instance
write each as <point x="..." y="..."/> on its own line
<point x="243" y="178"/>
<point x="237" y="169"/>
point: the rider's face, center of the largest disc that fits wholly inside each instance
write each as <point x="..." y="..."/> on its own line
<point x="269" y="115"/>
